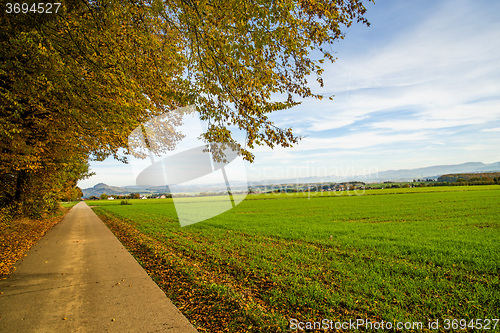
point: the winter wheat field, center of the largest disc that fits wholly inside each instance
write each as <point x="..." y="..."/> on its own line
<point x="418" y="259"/>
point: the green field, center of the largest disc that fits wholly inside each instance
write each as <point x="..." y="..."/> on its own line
<point x="408" y="255"/>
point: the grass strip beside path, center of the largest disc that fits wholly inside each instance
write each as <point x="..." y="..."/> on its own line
<point x="195" y="291"/>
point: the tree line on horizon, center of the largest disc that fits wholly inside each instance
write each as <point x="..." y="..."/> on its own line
<point x="476" y="178"/>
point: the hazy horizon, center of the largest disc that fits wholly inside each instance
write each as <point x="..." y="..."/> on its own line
<point x="333" y="177"/>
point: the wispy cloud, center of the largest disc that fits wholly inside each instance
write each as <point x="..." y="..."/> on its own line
<point x="496" y="129"/>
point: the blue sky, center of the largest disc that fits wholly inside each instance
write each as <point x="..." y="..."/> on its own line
<point x="419" y="87"/>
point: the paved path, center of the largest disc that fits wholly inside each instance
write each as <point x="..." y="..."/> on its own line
<point x="79" y="278"/>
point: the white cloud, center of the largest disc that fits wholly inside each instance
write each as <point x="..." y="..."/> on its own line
<point x="496" y="129"/>
<point x="445" y="117"/>
<point x="476" y="147"/>
<point x="360" y="139"/>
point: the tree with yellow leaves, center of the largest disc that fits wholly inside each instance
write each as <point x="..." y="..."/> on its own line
<point x="75" y="83"/>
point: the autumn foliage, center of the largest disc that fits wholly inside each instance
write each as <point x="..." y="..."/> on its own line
<point x="18" y="235"/>
<point x="75" y="83"/>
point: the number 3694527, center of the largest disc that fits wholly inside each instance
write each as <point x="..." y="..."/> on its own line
<point x="35" y="8"/>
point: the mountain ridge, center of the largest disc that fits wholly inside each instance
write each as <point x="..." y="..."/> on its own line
<point x="393" y="175"/>
<point x="388" y="175"/>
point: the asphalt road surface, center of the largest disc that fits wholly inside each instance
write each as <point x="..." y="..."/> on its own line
<point x="79" y="278"/>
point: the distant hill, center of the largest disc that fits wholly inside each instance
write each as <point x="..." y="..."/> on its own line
<point x="433" y="171"/>
<point x="395" y="175"/>
<point x="101" y="188"/>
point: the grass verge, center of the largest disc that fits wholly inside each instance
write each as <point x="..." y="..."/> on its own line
<point x="18" y="235"/>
